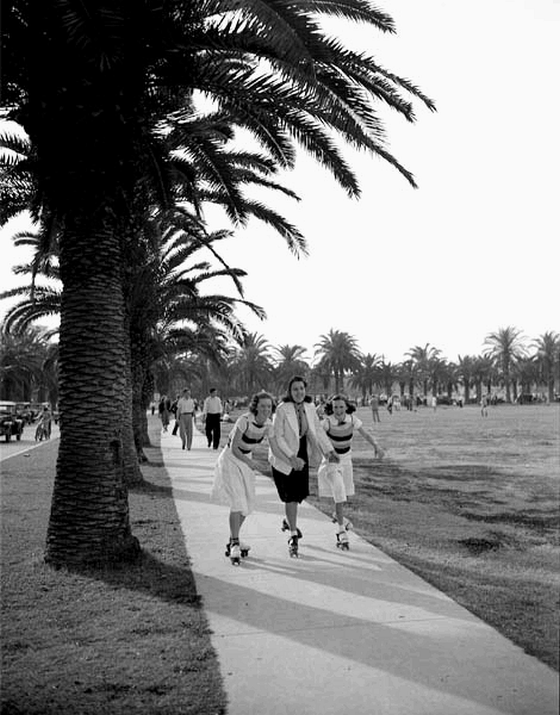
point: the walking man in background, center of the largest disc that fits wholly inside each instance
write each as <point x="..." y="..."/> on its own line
<point x="212" y="415"/>
<point x="185" y="416"/>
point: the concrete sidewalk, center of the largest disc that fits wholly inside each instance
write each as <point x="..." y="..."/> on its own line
<point x="338" y="632"/>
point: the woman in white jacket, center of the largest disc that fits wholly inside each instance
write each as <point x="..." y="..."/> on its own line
<point x="297" y="431"/>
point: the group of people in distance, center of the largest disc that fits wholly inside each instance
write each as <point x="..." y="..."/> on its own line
<point x="296" y="436"/>
<point x="184" y="409"/>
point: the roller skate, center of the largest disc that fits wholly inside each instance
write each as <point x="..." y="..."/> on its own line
<point x="235" y="554"/>
<point x="286" y="527"/>
<point x="293" y="546"/>
<point x="243" y="549"/>
<point x="346" y="523"/>
<point x="342" y="540"/>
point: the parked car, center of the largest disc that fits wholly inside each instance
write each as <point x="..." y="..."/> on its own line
<point x="11" y="424"/>
<point x="24" y="410"/>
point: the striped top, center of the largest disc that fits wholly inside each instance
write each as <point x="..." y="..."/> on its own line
<point x="341" y="434"/>
<point x="251" y="433"/>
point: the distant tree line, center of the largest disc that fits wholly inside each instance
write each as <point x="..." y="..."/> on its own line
<point x="247" y="363"/>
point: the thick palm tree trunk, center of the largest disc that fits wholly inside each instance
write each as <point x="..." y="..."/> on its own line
<point x="89" y="519"/>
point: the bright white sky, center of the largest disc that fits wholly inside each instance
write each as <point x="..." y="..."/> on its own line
<point x="475" y="248"/>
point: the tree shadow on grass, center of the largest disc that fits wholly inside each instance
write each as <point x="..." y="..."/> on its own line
<point x="147" y="574"/>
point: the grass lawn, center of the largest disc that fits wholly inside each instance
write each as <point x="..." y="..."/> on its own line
<point x="471" y="504"/>
<point x="128" y="640"/>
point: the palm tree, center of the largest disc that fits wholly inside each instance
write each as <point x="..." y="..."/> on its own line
<point x="548" y="360"/>
<point x="526" y="374"/>
<point x="425" y="359"/>
<point x="17" y="185"/>
<point x="97" y="75"/>
<point x="388" y="374"/>
<point x="338" y="354"/>
<point x="253" y="364"/>
<point x="366" y="375"/>
<point x="21" y="361"/>
<point x="465" y="374"/>
<point x="504" y="348"/>
<point x="408" y="371"/>
<point x="289" y="361"/>
<point x="483" y="374"/>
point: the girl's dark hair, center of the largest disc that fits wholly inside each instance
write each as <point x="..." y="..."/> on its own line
<point x="296" y="378"/>
<point x="255" y="401"/>
<point x="329" y="406"/>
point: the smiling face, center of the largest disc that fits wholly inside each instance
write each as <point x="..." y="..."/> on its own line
<point x="339" y="409"/>
<point x="264" y="410"/>
<point x="297" y="391"/>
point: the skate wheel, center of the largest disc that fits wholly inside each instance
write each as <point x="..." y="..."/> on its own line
<point x="244" y="553"/>
<point x="236" y="562"/>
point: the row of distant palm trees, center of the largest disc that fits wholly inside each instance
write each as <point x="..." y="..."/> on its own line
<point x="28" y="368"/>
<point x="508" y="362"/>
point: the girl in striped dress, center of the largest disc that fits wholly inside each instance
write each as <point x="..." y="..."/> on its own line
<point x="234" y="478"/>
<point x="336" y="480"/>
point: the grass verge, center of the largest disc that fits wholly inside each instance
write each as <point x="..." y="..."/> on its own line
<point x="129" y="640"/>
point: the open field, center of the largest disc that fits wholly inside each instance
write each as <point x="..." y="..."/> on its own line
<point x="471" y="504"/>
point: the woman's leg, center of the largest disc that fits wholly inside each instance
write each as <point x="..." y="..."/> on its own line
<point x="236" y="519"/>
<point x="291" y="515"/>
<point x="339" y="512"/>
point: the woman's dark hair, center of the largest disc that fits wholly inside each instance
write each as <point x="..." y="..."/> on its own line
<point x="253" y="405"/>
<point x="296" y="378"/>
<point x="329" y="406"/>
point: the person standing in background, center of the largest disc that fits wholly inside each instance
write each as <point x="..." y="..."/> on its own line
<point x="374" y="404"/>
<point x="212" y="415"/>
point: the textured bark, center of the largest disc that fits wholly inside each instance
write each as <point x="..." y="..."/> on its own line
<point x="89" y="521"/>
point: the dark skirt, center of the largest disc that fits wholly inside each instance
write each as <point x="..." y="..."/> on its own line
<point x="294" y="487"/>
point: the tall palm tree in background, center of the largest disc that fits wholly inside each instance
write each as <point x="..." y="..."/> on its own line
<point x="408" y="373"/>
<point x="253" y="364"/>
<point x="548" y="361"/>
<point x="425" y="359"/>
<point x="504" y="348"/>
<point x="388" y="374"/>
<point x="95" y="81"/>
<point x="21" y="361"/>
<point x="338" y="354"/>
<point x="483" y="374"/>
<point x="366" y="375"/>
<point x="465" y="374"/>
<point x="289" y="361"/>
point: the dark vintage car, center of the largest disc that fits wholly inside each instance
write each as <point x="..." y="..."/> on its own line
<point x="24" y="410"/>
<point x="11" y="424"/>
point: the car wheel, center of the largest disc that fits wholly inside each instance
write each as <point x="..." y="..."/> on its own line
<point x="8" y="437"/>
<point x="18" y="437"/>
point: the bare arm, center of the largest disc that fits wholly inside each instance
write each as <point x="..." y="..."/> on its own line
<point x="379" y="451"/>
